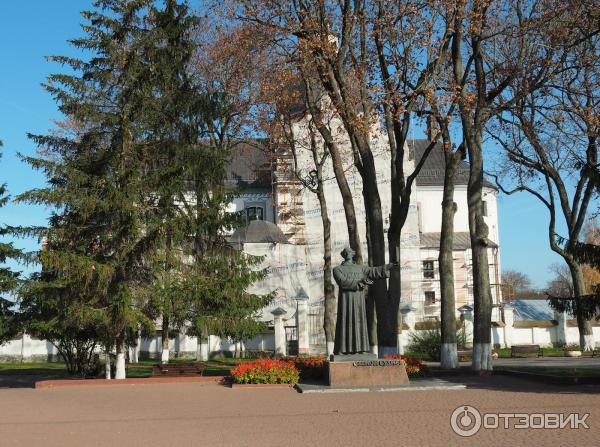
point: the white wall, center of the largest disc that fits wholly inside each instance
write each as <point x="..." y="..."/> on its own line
<point x="429" y="199"/>
<point x="28" y="349"/>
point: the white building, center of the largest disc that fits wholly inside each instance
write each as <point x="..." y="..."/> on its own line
<point x="272" y="192"/>
<point x="289" y="235"/>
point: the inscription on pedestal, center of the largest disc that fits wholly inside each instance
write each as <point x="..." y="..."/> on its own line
<point x="378" y="363"/>
<point x="367" y="373"/>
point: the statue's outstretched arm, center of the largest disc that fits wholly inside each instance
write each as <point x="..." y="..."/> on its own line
<point x="380" y="272"/>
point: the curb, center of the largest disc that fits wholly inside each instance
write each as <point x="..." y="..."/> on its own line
<point x="133" y="381"/>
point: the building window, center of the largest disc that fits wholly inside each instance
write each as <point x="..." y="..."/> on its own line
<point x="428" y="271"/>
<point x="485" y="208"/>
<point x="254" y="213"/>
<point x="429" y="298"/>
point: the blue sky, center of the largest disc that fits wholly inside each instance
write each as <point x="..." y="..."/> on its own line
<point x="32" y="29"/>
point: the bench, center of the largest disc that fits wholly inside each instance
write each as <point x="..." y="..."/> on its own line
<point x="464" y="355"/>
<point x="526" y="349"/>
<point x="178" y="369"/>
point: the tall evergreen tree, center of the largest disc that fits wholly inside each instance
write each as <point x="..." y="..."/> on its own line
<point x="8" y="278"/>
<point x="97" y="236"/>
<point x="175" y="99"/>
<point x="219" y="280"/>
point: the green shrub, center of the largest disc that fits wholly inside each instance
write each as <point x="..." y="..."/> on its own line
<point x="426" y="342"/>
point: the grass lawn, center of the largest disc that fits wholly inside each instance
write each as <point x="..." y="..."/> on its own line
<point x="36" y="368"/>
<point x="218" y="367"/>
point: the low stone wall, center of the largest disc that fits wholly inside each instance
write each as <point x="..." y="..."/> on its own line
<point x="28" y="349"/>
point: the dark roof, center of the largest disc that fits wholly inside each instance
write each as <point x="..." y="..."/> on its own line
<point x="432" y="172"/>
<point x="250" y="166"/>
<point x="462" y="240"/>
<point x="258" y="231"/>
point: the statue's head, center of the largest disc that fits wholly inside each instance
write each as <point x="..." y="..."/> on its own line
<point x="348" y="254"/>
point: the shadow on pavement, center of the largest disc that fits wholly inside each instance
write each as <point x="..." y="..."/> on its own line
<point x="21" y="380"/>
<point x="497" y="382"/>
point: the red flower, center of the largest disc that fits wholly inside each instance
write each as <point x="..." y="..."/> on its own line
<point x="413" y="365"/>
<point x="265" y="371"/>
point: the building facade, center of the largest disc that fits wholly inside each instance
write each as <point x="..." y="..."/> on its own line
<point x="271" y="190"/>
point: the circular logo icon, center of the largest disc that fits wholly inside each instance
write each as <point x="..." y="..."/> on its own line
<point x="465" y="420"/>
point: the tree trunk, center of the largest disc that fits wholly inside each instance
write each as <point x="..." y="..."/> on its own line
<point x="314" y="107"/>
<point x="120" y="363"/>
<point x="347" y="202"/>
<point x="107" y="363"/>
<point x="164" y="356"/>
<point x="449" y="356"/>
<point x="202" y="350"/>
<point x="138" y="346"/>
<point x="387" y="318"/>
<point x="328" y="288"/>
<point x="586" y="335"/>
<point x="482" y="295"/>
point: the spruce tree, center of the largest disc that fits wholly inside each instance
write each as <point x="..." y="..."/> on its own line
<point x="97" y="241"/>
<point x="121" y="240"/>
<point x="174" y="99"/>
<point x="8" y="278"/>
<point x="218" y="283"/>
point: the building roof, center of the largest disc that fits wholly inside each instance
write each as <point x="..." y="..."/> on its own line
<point x="250" y="166"/>
<point x="432" y="172"/>
<point x="258" y="232"/>
<point x="533" y="310"/>
<point x="462" y="240"/>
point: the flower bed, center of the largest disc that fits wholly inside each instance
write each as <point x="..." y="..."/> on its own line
<point x="314" y="367"/>
<point x="414" y="366"/>
<point x="266" y="371"/>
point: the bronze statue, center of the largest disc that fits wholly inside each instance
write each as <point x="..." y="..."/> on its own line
<point x="351" y="334"/>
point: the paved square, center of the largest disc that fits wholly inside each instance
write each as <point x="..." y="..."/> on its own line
<point x="211" y="415"/>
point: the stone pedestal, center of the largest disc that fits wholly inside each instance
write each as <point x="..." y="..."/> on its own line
<point x="368" y="372"/>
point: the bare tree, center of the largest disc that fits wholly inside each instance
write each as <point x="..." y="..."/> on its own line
<point x="504" y="49"/>
<point x="561" y="284"/>
<point x="368" y="67"/>
<point x="515" y="284"/>
<point x="551" y="140"/>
